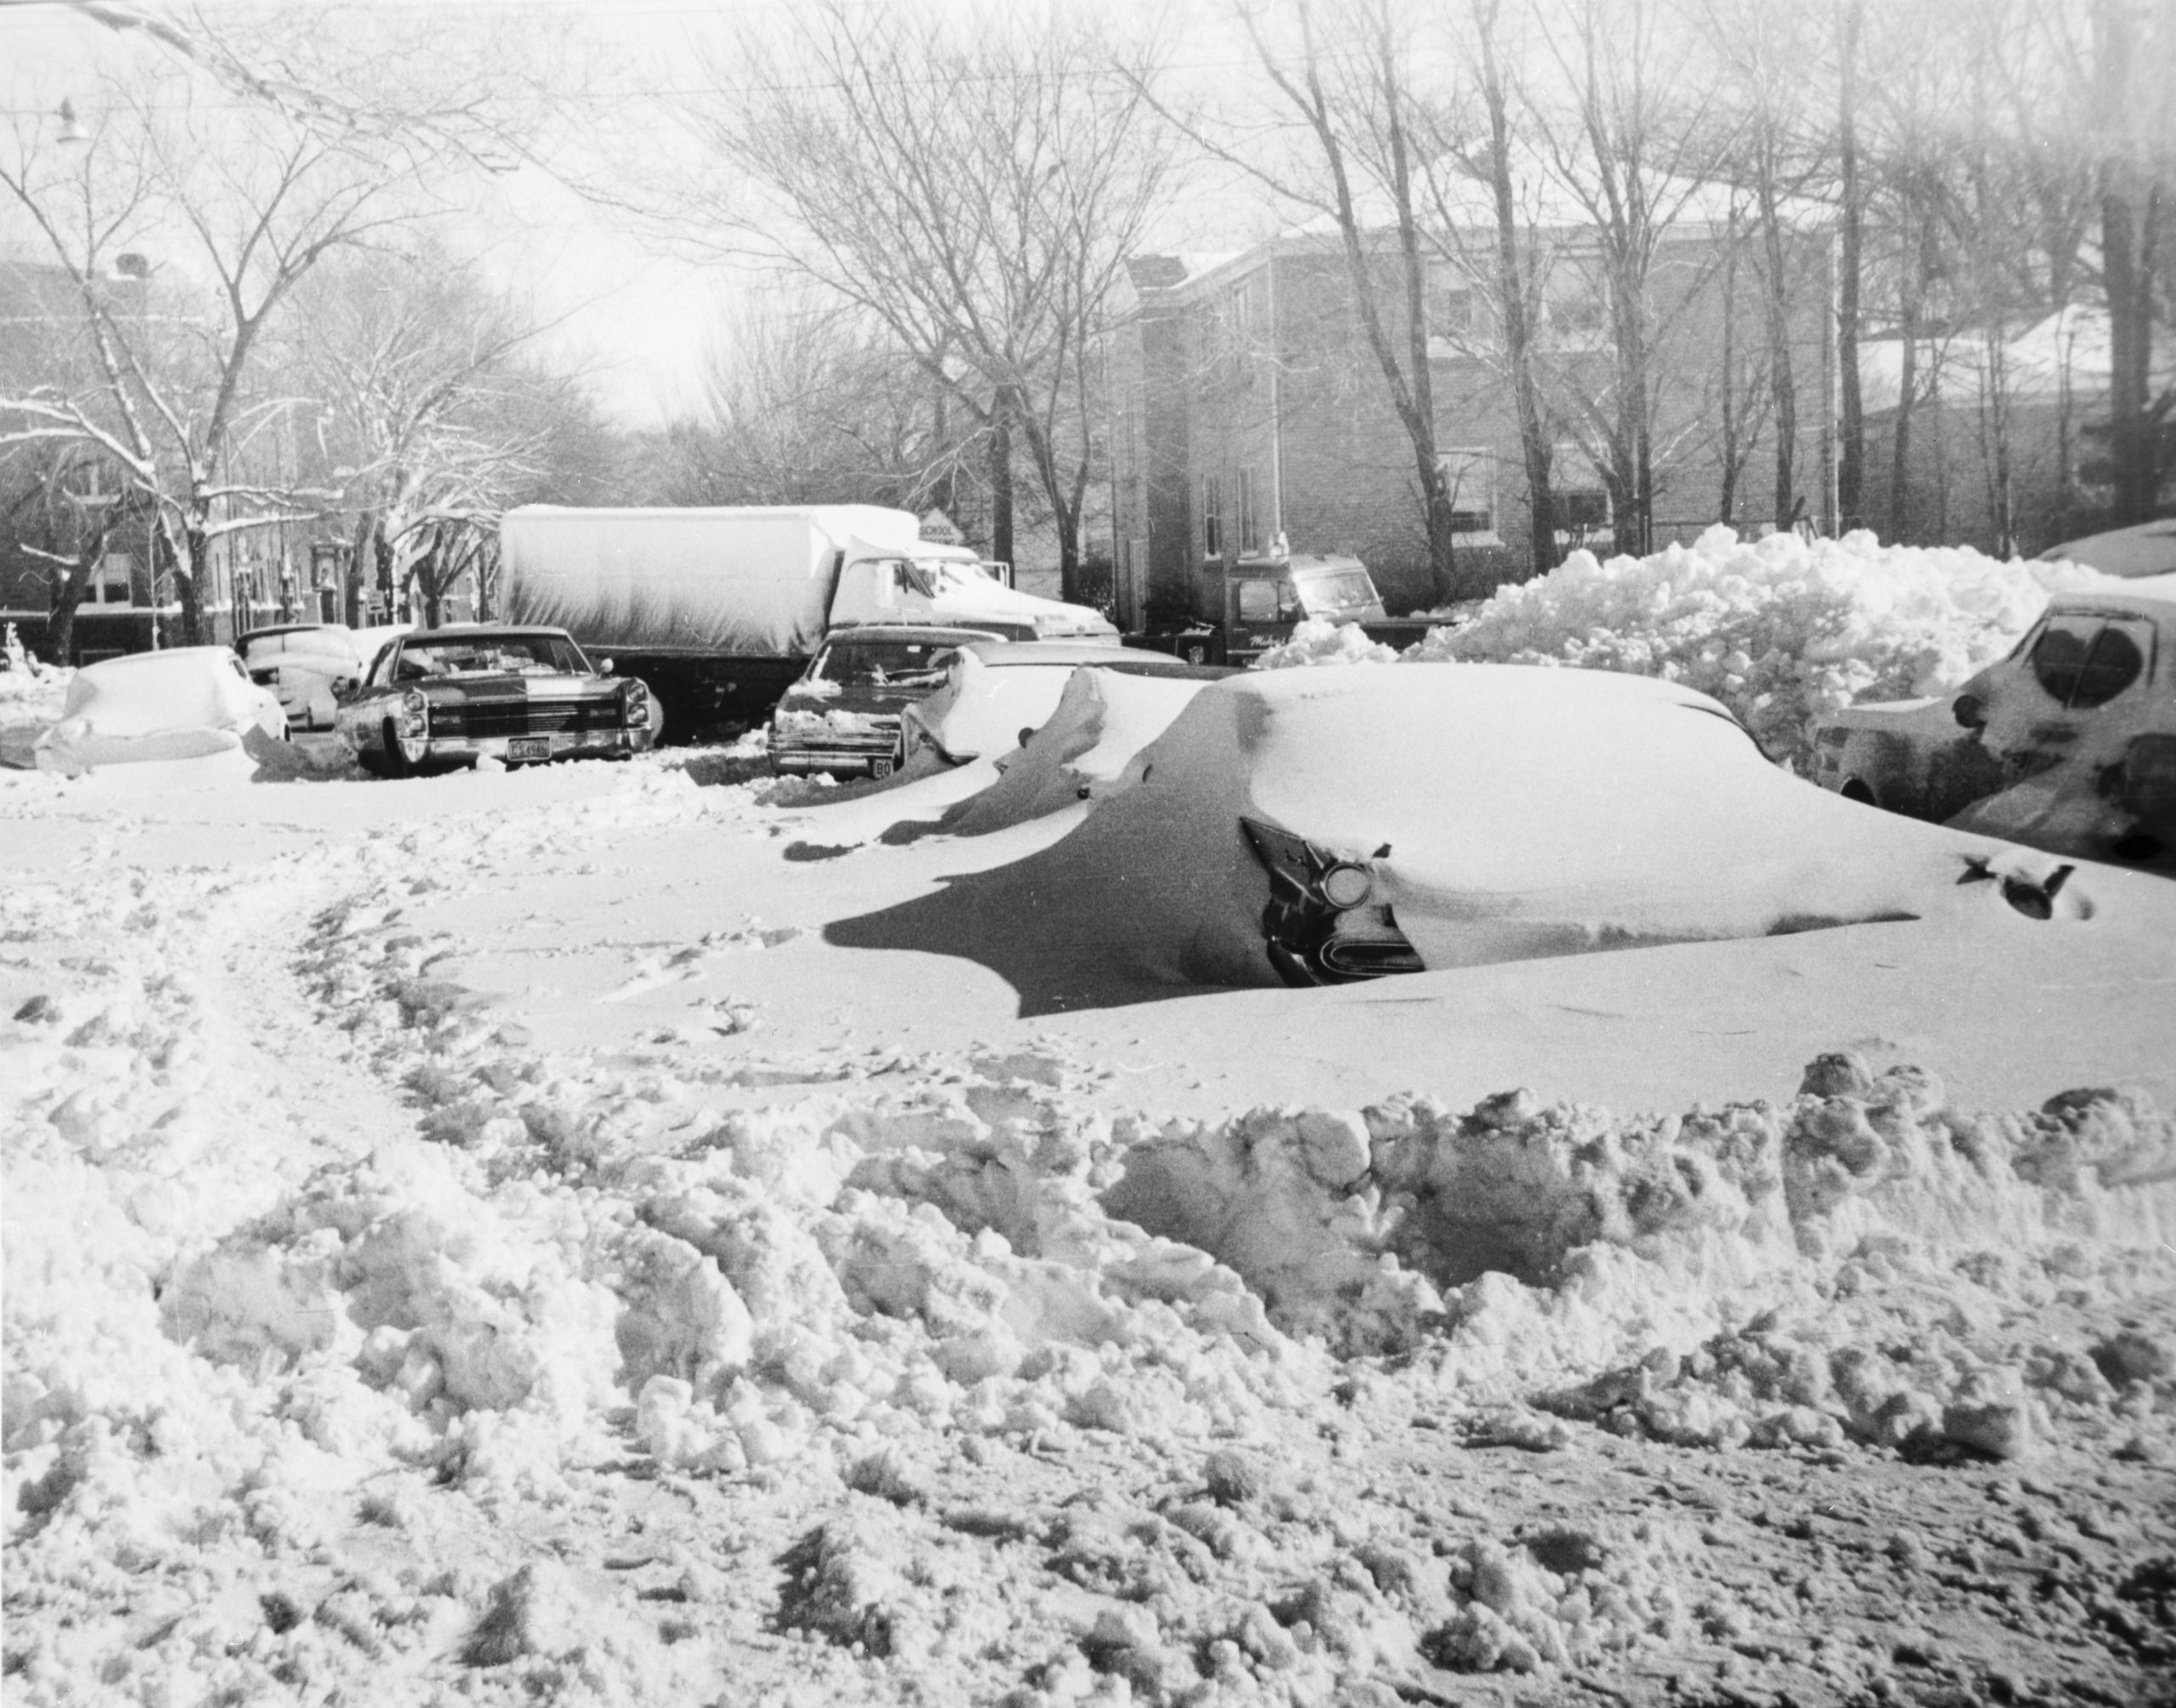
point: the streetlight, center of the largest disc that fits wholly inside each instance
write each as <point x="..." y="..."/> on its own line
<point x="72" y="133"/>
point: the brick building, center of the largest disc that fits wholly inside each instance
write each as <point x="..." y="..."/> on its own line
<point x="1246" y="404"/>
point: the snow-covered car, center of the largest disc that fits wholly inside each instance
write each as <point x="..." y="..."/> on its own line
<point x="1317" y="827"/>
<point x="2149" y="548"/>
<point x="523" y="695"/>
<point x="996" y="692"/>
<point x="305" y="664"/>
<point x="183" y="702"/>
<point x="842" y="715"/>
<point x="2069" y="743"/>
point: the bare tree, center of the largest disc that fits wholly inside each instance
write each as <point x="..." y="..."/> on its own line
<point x="1354" y="142"/>
<point x="972" y="186"/>
<point x="241" y="199"/>
<point x="1516" y="265"/>
<point x="1635" y="153"/>
<point x="808" y="403"/>
<point x="402" y="351"/>
<point x="1779" y="153"/>
<point x="2134" y="68"/>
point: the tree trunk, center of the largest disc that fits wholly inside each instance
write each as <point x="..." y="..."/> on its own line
<point x="1907" y="379"/>
<point x="1782" y="381"/>
<point x="2126" y="260"/>
<point x="60" y="624"/>
<point x="1850" y="427"/>
<point x="352" y="571"/>
<point x="1536" y="453"/>
<point x="1001" y="479"/>
<point x="186" y="563"/>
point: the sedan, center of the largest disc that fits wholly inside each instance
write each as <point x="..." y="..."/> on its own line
<point x="183" y="702"/>
<point x="842" y="716"/>
<point x="305" y="665"/>
<point x="2069" y="743"/>
<point x="439" y="698"/>
<point x="1320" y="826"/>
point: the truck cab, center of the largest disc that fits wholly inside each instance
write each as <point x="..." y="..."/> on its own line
<point x="1242" y="609"/>
<point x="929" y="583"/>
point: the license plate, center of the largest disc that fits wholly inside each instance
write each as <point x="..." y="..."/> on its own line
<point x="529" y="747"/>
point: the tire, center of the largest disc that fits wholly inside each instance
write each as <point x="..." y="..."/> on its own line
<point x="373" y="764"/>
<point x="396" y="762"/>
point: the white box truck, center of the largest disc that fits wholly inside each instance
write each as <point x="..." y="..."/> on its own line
<point x="719" y="609"/>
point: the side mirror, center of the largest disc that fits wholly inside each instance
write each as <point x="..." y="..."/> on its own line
<point x="344" y="689"/>
<point x="1968" y="711"/>
<point x="604" y="667"/>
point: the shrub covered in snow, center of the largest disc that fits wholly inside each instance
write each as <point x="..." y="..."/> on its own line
<point x="1780" y="630"/>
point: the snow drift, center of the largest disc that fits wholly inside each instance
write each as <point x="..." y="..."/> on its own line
<point x="1780" y="629"/>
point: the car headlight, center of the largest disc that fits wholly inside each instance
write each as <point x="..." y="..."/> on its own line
<point x="1322" y="924"/>
<point x="415" y="715"/>
<point x="634" y="704"/>
<point x="1344" y="884"/>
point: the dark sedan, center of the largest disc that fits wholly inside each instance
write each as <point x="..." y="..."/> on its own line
<point x="439" y="697"/>
<point x="842" y="716"/>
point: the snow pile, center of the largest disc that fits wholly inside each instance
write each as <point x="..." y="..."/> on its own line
<point x="31" y="695"/>
<point x="1780" y="630"/>
<point x="1082" y="752"/>
<point x="1520" y="1243"/>
<point x="1318" y="640"/>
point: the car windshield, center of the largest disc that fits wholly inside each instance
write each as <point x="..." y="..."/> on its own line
<point x="868" y="664"/>
<point x="931" y="576"/>
<point x="488" y="655"/>
<point x="1335" y="590"/>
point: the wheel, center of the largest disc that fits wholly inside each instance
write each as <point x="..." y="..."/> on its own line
<point x="397" y="762"/>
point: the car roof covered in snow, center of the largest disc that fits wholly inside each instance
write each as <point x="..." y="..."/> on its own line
<point x="1069" y="655"/>
<point x="880" y="634"/>
<point x="2148" y="549"/>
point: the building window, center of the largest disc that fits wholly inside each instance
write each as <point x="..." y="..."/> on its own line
<point x="1469" y="477"/>
<point x="1457" y="310"/>
<point x="1578" y="310"/>
<point x="1212" y="517"/>
<point x="111" y="585"/>
<point x="1581" y="501"/>
<point x="1249" y="523"/>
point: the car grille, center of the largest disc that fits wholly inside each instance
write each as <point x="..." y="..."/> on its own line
<point x="478" y="719"/>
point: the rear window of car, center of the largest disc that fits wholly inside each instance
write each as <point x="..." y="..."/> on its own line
<point x="2082" y="661"/>
<point x="868" y="664"/>
<point x="490" y="655"/>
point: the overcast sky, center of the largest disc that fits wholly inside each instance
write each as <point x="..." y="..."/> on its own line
<point x="636" y="315"/>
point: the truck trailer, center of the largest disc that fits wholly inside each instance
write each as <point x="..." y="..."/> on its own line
<point x="719" y="609"/>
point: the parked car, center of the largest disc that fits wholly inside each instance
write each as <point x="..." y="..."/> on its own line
<point x="2147" y="549"/>
<point x="1316" y="827"/>
<point x="304" y="663"/>
<point x="996" y="692"/>
<point x="842" y="715"/>
<point x="2069" y="743"/>
<point x="438" y="697"/>
<point x="183" y="702"/>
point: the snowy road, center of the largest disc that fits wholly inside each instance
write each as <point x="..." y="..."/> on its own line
<point x="476" y="1237"/>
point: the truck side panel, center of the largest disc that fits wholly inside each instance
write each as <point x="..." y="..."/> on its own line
<point x="681" y="583"/>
